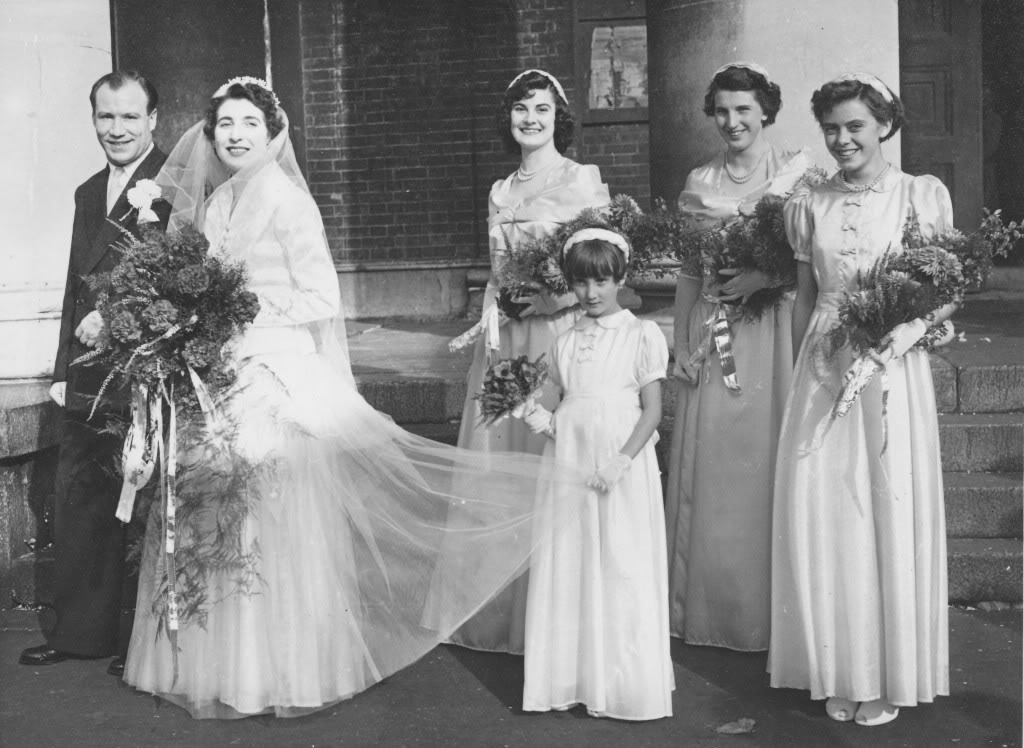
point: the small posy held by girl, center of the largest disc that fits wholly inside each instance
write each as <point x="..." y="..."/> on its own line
<point x="859" y="590"/>
<point x="597" y="606"/>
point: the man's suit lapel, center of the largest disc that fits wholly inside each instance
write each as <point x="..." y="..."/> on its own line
<point x="110" y="230"/>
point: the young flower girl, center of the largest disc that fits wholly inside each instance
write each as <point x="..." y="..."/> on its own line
<point x="597" y="606"/>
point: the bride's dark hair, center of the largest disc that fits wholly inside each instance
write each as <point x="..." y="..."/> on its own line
<point x="262" y="98"/>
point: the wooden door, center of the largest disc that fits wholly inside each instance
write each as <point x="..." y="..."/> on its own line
<point x="940" y="84"/>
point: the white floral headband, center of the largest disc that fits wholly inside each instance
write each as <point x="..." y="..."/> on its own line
<point x="243" y="80"/>
<point x="752" y="66"/>
<point x="604" y="235"/>
<point x="868" y="80"/>
<point x="549" y="76"/>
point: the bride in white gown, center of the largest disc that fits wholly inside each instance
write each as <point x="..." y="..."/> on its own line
<point x="347" y="511"/>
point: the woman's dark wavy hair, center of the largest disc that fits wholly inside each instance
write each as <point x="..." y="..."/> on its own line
<point x="826" y="98"/>
<point x="768" y="95"/>
<point x="565" y="123"/>
<point x="260" y="97"/>
<point x="594" y="258"/>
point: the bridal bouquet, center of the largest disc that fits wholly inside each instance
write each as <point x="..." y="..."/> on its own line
<point x="509" y="385"/>
<point x="898" y="288"/>
<point x="169" y="307"/>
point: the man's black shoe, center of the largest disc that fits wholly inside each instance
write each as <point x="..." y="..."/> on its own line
<point x="44" y="654"/>
<point x="116" y="667"/>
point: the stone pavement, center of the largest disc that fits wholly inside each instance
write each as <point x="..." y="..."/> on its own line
<point x="456" y="697"/>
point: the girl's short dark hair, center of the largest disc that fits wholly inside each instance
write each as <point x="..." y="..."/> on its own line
<point x="768" y="95"/>
<point x="260" y="97"/>
<point x="594" y="258"/>
<point x="524" y="88"/>
<point x="826" y="98"/>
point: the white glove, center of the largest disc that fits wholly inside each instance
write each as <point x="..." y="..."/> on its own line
<point x="57" y="392"/>
<point x="540" y="420"/>
<point x="490" y="295"/>
<point x="902" y="337"/>
<point x="88" y="331"/>
<point x="610" y="473"/>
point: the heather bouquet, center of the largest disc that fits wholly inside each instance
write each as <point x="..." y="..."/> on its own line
<point x="898" y="288"/>
<point x="976" y="250"/>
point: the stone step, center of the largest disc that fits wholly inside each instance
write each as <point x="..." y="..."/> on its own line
<point x="986" y="442"/>
<point x="979" y="570"/>
<point x="984" y="570"/>
<point x="984" y="505"/>
<point x="32" y="578"/>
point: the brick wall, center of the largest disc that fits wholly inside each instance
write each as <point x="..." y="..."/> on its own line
<point x="399" y="119"/>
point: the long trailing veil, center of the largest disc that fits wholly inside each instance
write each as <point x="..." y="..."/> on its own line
<point x="360" y="574"/>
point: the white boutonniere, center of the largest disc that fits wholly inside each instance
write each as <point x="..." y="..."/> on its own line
<point x="141" y="197"/>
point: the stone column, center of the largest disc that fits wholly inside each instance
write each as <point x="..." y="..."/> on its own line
<point x="802" y="44"/>
<point x="52" y="51"/>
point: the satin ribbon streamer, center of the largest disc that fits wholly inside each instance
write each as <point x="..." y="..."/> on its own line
<point x="718" y="337"/>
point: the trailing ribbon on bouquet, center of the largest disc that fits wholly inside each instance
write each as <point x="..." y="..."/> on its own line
<point x="489" y="325"/>
<point x="717" y="336"/>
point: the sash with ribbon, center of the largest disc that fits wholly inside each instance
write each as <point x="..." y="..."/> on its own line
<point x="717" y="336"/>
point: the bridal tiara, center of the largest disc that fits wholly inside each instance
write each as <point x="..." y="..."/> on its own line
<point x="604" y="235"/>
<point x="247" y="80"/>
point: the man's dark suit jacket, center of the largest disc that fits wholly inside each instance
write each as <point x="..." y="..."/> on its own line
<point x="92" y="251"/>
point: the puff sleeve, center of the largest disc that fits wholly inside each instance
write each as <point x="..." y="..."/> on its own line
<point x="932" y="205"/>
<point x="652" y="356"/>
<point x="309" y="290"/>
<point x="800" y="223"/>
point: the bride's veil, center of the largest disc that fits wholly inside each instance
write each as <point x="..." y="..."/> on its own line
<point x="411" y="535"/>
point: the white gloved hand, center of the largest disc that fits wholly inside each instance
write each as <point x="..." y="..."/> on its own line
<point x="88" y="331"/>
<point x="902" y="337"/>
<point x="610" y="473"/>
<point x="540" y="420"/>
<point x="58" y="390"/>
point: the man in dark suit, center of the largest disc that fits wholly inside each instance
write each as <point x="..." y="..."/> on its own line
<point x="89" y="541"/>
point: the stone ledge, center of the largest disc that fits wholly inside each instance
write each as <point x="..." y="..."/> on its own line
<point x="29" y="420"/>
<point x="988" y="442"/>
<point x="983" y="505"/>
<point x="984" y="570"/>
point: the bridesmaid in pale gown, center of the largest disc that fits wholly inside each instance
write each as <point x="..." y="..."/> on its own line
<point x="719" y="496"/>
<point x="859" y="590"/>
<point x="546" y="190"/>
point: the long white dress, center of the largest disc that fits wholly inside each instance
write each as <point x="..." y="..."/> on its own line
<point x="718" y="501"/>
<point x="567" y="188"/>
<point x="347" y="513"/>
<point x="597" y="610"/>
<point x="859" y="590"/>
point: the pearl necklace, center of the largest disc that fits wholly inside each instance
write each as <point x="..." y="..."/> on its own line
<point x="746" y="177"/>
<point x="525" y="176"/>
<point x="862" y="187"/>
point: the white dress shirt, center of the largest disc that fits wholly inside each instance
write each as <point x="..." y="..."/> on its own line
<point x="119" y="177"/>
